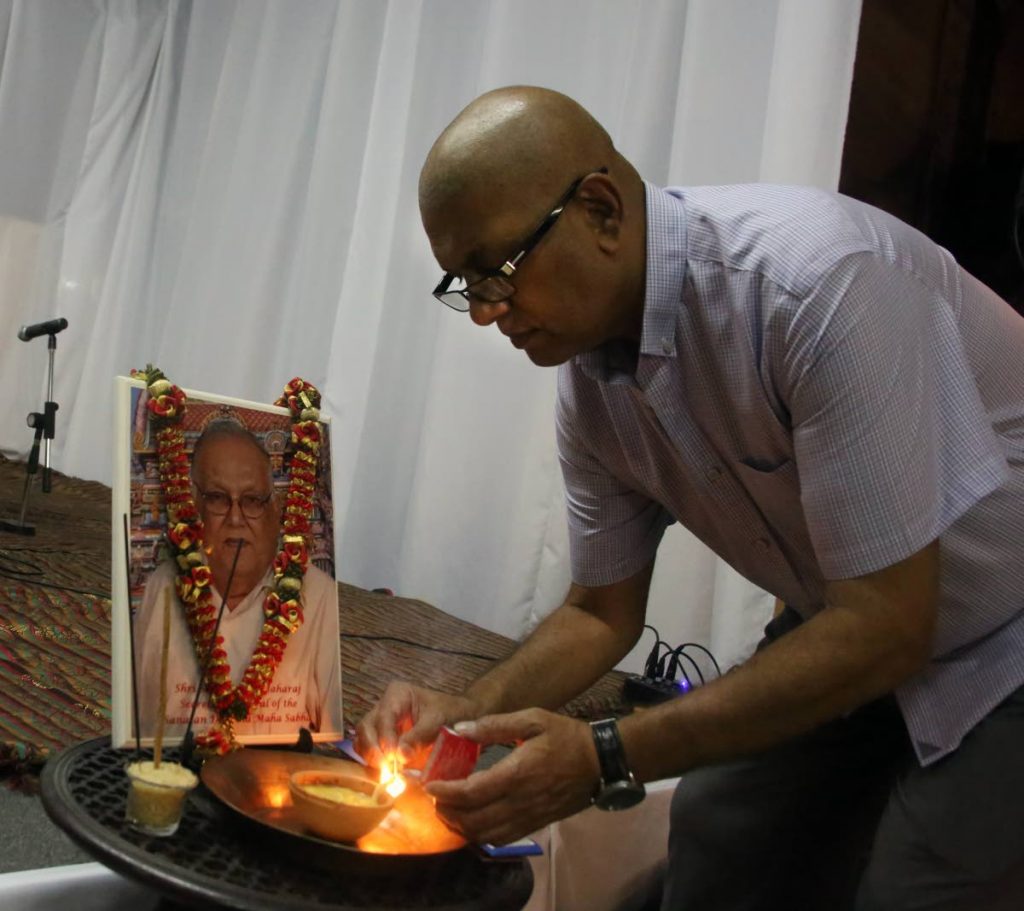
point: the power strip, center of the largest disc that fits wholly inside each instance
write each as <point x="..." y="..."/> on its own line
<point x="646" y="690"/>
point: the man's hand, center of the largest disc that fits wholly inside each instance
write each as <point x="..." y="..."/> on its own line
<point x="407" y="720"/>
<point x="551" y="774"/>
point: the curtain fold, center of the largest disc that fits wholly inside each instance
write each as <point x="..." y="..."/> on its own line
<point x="228" y="190"/>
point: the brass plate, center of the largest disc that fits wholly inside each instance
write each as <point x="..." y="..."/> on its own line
<point x="254" y="783"/>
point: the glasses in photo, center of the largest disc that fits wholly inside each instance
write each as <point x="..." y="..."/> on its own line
<point x="219" y="504"/>
<point x="494" y="285"/>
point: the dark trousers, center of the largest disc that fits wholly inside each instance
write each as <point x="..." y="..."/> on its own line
<point x="844" y="819"/>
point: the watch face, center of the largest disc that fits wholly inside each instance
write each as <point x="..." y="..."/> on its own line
<point x="619" y="795"/>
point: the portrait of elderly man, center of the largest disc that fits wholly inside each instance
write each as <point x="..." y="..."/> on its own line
<point x="232" y="484"/>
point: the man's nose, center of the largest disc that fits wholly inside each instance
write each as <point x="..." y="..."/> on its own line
<point x="235" y="515"/>
<point x="483" y="313"/>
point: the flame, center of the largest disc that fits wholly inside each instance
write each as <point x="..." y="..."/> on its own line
<point x="413" y="827"/>
<point x="390" y="776"/>
<point x="277" y="796"/>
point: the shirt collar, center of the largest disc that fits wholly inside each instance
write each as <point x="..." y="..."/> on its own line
<point x="254" y="597"/>
<point x="665" y="274"/>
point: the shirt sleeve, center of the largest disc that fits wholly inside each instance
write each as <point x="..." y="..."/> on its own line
<point x="891" y="438"/>
<point x="614" y="531"/>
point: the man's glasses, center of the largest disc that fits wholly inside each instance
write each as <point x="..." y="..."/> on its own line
<point x="494" y="286"/>
<point x="219" y="504"/>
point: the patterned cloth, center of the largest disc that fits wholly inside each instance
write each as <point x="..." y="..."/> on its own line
<point x="819" y="392"/>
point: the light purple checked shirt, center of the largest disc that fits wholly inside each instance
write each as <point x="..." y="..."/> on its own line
<point x="820" y="392"/>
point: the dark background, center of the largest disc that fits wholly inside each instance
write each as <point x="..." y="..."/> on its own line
<point x="936" y="128"/>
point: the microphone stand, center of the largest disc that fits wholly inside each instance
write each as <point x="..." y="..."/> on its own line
<point x="44" y="423"/>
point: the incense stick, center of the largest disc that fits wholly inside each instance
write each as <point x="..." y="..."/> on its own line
<point x="162" y="715"/>
<point x="131" y="637"/>
<point x="187" y="740"/>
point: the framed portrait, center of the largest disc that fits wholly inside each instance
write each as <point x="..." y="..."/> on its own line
<point x="239" y="456"/>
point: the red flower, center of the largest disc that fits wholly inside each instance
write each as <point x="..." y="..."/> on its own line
<point x="296" y="525"/>
<point x="301" y="505"/>
<point x="185" y="536"/>
<point x="280" y="564"/>
<point x="271" y="605"/>
<point x="308" y="432"/>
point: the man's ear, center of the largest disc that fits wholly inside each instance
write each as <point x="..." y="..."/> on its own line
<point x="602" y="202"/>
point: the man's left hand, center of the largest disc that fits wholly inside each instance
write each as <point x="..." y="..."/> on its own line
<point x="551" y="774"/>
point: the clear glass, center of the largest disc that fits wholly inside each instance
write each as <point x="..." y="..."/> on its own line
<point x="156" y="801"/>
<point x="491" y="289"/>
<point x="219" y="504"/>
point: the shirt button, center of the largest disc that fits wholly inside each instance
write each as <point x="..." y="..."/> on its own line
<point x="666" y="345"/>
<point x="762" y="544"/>
<point x="713" y="473"/>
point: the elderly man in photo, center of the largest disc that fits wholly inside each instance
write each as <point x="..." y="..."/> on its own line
<point x="826" y="399"/>
<point x="233" y="489"/>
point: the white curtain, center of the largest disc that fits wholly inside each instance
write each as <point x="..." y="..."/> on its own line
<point x="228" y="190"/>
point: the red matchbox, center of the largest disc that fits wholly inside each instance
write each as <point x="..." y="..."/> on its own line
<point x="452" y="756"/>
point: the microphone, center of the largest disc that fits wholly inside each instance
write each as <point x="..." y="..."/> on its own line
<point x="50" y="327"/>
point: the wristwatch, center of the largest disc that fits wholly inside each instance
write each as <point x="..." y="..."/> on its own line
<point x="619" y="789"/>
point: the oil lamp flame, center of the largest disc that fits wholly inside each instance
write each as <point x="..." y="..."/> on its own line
<point x="277" y="796"/>
<point x="390" y="777"/>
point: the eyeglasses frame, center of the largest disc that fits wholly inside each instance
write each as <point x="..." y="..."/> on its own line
<point x="264" y="501"/>
<point x="509" y="267"/>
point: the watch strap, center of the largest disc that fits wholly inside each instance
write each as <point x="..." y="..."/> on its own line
<point x="610" y="755"/>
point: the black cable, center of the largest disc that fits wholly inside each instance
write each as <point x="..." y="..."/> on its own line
<point x="429" y="648"/>
<point x="28" y="576"/>
<point x="697" y="645"/>
<point x="689" y="682"/>
<point x="64" y="588"/>
<point x="659" y="668"/>
<point x="654" y="666"/>
<point x="34" y="568"/>
<point x="675" y="666"/>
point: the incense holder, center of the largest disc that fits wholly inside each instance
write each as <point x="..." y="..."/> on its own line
<point x="156" y="796"/>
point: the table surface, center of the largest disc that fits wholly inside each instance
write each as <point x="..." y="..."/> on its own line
<point x="212" y="861"/>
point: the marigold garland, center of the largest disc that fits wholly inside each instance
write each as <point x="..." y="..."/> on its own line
<point x="282" y="608"/>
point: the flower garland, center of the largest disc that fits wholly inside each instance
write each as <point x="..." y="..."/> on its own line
<point x="281" y="608"/>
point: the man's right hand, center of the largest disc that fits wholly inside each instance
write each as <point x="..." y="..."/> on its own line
<point x="407" y="719"/>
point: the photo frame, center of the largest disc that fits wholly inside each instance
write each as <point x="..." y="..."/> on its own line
<point x="305" y="691"/>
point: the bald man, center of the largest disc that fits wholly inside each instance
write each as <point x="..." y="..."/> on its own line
<point x="828" y="401"/>
<point x="234" y="493"/>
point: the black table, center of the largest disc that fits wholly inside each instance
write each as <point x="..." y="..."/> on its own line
<point x="212" y="862"/>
